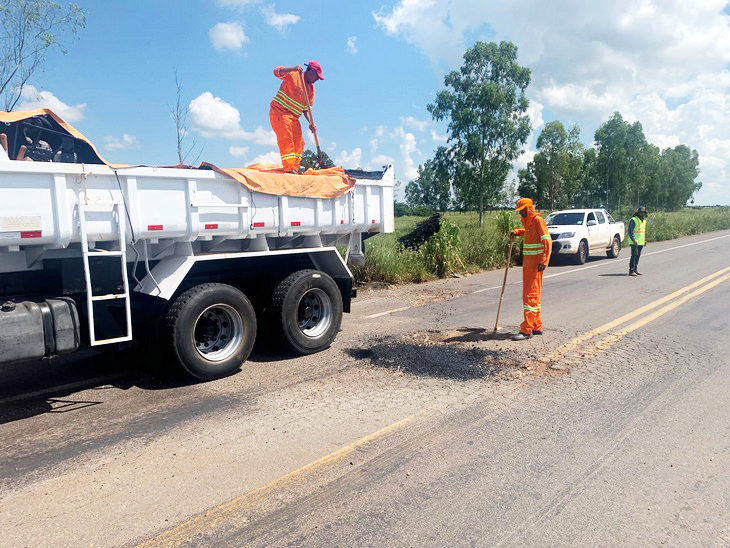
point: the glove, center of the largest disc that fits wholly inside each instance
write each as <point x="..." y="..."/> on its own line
<point x="540" y="267"/>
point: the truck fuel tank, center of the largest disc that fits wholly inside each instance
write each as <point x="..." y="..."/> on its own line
<point x="33" y="331"/>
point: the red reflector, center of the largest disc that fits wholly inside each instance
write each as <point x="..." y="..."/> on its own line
<point x="259" y="225"/>
<point x="296" y="223"/>
<point x="373" y="221"/>
<point x="32" y="234"/>
<point x="154" y="227"/>
<point x="211" y="227"/>
<point x="342" y="221"/>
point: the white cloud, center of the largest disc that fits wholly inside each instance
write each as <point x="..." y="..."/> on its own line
<point x="351" y="45"/>
<point x="437" y="138"/>
<point x="420" y="125"/>
<point x="351" y="160"/>
<point x="373" y="146"/>
<point x="213" y="117"/>
<point x="227" y="36"/>
<point x="379" y="161"/>
<point x="113" y="143"/>
<point x="31" y="98"/>
<point x="380" y="131"/>
<point x="270" y="158"/>
<point x="238" y="152"/>
<point x="408" y="148"/>
<point x="662" y="63"/>
<point x="278" y="20"/>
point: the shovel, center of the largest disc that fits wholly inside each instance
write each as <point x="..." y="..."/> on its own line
<point x="504" y="283"/>
<point x="311" y="120"/>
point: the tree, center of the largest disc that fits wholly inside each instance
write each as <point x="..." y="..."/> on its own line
<point x="557" y="164"/>
<point x="180" y="115"/>
<point x="311" y="160"/>
<point x="432" y="187"/>
<point x="486" y="104"/>
<point x="681" y="167"/>
<point x="29" y="29"/>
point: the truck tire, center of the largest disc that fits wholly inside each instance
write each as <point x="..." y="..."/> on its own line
<point x="307" y="311"/>
<point x="582" y="255"/>
<point x="212" y="329"/>
<point x="615" y="248"/>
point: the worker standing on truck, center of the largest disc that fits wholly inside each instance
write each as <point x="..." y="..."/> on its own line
<point x="286" y="108"/>
<point x="536" y="248"/>
<point x="637" y="239"/>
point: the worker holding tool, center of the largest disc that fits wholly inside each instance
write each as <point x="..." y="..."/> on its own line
<point x="536" y="248"/>
<point x="637" y="239"/>
<point x="294" y="98"/>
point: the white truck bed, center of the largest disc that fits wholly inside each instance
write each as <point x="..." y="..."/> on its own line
<point x="38" y="207"/>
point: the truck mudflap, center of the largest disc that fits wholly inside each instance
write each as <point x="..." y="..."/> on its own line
<point x="35" y="330"/>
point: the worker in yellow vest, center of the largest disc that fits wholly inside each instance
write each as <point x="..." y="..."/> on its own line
<point x="637" y="239"/>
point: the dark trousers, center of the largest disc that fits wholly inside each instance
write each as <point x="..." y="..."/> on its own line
<point x="635" y="254"/>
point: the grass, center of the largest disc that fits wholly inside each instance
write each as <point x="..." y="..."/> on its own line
<point x="474" y="248"/>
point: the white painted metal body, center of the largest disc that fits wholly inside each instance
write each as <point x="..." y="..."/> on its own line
<point x="172" y="217"/>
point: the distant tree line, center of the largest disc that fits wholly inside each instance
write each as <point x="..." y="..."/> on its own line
<point x="622" y="171"/>
<point x="486" y="106"/>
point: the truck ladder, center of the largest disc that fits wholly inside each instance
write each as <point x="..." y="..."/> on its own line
<point x="122" y="255"/>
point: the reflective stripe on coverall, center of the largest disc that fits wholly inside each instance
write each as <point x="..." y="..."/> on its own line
<point x="537" y="246"/>
<point x="286" y="107"/>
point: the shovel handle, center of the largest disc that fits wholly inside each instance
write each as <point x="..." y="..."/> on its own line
<point x="504" y="283"/>
<point x="311" y="117"/>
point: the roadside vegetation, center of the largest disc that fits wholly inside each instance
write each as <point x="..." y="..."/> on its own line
<point x="464" y="246"/>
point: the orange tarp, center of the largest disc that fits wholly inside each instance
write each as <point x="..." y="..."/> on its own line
<point x="315" y="183"/>
<point x="320" y="183"/>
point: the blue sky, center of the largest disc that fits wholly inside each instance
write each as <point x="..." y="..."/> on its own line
<point x="663" y="63"/>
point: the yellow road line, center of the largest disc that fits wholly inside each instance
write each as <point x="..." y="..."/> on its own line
<point x="615" y="337"/>
<point x="206" y="521"/>
<point x="574" y="343"/>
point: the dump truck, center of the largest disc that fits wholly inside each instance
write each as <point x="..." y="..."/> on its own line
<point x="190" y="261"/>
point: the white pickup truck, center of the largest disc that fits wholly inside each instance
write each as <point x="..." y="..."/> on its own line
<point x="579" y="232"/>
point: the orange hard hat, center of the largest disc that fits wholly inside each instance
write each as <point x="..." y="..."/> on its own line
<point x="522" y="203"/>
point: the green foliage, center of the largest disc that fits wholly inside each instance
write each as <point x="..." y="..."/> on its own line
<point x="432" y="187"/>
<point x="553" y="177"/>
<point x="486" y="104"/>
<point x="311" y="160"/>
<point x="442" y="251"/>
<point x="28" y="29"/>
<point x="402" y="209"/>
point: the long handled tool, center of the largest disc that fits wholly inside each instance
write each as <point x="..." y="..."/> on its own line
<point x="311" y="120"/>
<point x="504" y="283"/>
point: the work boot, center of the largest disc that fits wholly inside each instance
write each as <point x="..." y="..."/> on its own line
<point x="638" y="273"/>
<point x="633" y="274"/>
<point x="537" y="332"/>
<point x="521" y="336"/>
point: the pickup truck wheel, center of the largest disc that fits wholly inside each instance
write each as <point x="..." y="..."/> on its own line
<point x="307" y="310"/>
<point x="613" y="252"/>
<point x="582" y="256"/>
<point x="212" y="328"/>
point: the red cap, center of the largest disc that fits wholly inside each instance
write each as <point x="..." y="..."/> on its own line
<point x="317" y="67"/>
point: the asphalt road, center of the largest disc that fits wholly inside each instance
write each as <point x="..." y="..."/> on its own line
<point x="419" y="427"/>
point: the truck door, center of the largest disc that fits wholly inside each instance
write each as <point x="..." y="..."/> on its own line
<point x="593" y="230"/>
<point x="603" y="232"/>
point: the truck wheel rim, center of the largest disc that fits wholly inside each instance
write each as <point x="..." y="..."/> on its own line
<point x="615" y="246"/>
<point x="218" y="332"/>
<point x="314" y="313"/>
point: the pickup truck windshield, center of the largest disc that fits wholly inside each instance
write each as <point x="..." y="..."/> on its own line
<point x="565" y="219"/>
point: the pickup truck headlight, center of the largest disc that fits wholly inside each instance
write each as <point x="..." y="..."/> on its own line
<point x="566" y="235"/>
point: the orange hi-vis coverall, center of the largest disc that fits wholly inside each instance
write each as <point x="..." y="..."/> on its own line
<point x="536" y="249"/>
<point x="286" y="108"/>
